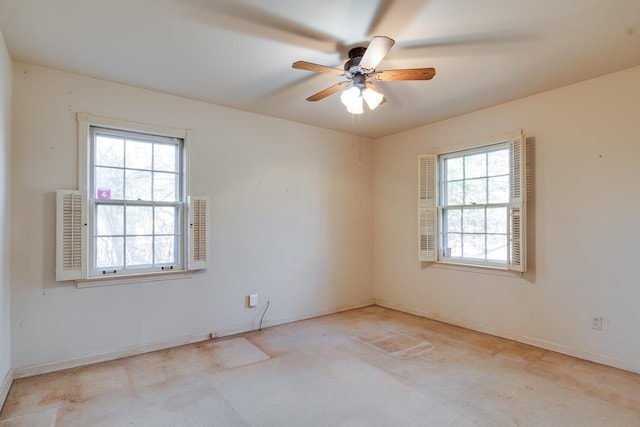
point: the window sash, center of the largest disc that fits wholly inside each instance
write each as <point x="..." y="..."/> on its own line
<point x="150" y="262"/>
<point x="490" y="237"/>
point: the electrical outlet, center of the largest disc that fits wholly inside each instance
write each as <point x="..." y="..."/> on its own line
<point x="596" y="323"/>
<point x="253" y="300"/>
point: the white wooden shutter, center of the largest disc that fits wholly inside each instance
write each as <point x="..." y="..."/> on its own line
<point x="517" y="203"/>
<point x="198" y="232"/>
<point x="427" y="218"/>
<point x="427" y="181"/>
<point x="70" y="235"/>
<point x="427" y="234"/>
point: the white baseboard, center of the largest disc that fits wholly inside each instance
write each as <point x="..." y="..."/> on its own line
<point x="44" y="368"/>
<point x="5" y="386"/>
<point x="283" y="320"/>
<point x="536" y="342"/>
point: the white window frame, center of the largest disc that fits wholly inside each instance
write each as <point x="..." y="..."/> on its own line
<point x="430" y="210"/>
<point x="74" y="227"/>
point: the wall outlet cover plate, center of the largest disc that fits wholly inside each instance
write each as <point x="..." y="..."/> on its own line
<point x="253" y="300"/>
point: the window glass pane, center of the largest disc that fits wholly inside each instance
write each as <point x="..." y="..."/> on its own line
<point x="109" y="151"/>
<point x="139" y="220"/>
<point x="497" y="220"/>
<point x="455" y="194"/>
<point x="166" y="220"/>
<point x="473" y="220"/>
<point x="109" y="220"/>
<point x="138" y="154"/>
<point x="454" y="168"/>
<point x="453" y="220"/>
<point x="138" y="185"/>
<point x="498" y="162"/>
<point x="473" y="246"/>
<point x="109" y="183"/>
<point x="497" y="248"/>
<point x="165" y="187"/>
<point x="165" y="157"/>
<point x="475" y="165"/>
<point x="453" y="245"/>
<point x="475" y="191"/>
<point x="139" y="251"/>
<point x="165" y="249"/>
<point x="499" y="189"/>
<point x="109" y="253"/>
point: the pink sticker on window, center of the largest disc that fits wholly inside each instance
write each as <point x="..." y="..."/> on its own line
<point x="104" y="193"/>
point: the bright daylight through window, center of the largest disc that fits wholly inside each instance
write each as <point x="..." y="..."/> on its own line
<point x="472" y="205"/>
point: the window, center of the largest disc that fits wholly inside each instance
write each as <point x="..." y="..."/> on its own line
<point x="472" y="205"/>
<point x="136" y="201"/>
<point x="131" y="215"/>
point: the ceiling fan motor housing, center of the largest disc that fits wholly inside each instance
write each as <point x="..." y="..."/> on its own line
<point x="355" y="56"/>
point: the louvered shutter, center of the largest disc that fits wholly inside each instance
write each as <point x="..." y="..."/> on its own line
<point x="198" y="232"/>
<point x="517" y="203"/>
<point x="427" y="234"/>
<point x="427" y="181"/>
<point x="427" y="219"/>
<point x="70" y="235"/>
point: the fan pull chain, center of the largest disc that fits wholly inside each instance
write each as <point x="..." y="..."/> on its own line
<point x="354" y="136"/>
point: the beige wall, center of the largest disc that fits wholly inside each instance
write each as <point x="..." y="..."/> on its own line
<point x="291" y="219"/>
<point x="5" y="222"/>
<point x="584" y="228"/>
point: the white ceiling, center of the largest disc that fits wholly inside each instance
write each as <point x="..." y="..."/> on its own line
<point x="238" y="53"/>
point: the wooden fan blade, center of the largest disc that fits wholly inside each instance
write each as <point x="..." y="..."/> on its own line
<point x="376" y="50"/>
<point x="328" y="91"/>
<point x="310" y="66"/>
<point x="406" y="74"/>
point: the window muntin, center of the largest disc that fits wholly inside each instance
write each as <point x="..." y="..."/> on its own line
<point x="473" y="208"/>
<point x="137" y="201"/>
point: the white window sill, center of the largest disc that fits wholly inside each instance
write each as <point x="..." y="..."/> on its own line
<point x="483" y="269"/>
<point x="134" y="278"/>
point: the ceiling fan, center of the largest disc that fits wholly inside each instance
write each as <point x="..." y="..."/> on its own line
<point x="360" y="73"/>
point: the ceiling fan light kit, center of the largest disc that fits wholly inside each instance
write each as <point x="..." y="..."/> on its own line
<point x="360" y="72"/>
<point x="358" y="91"/>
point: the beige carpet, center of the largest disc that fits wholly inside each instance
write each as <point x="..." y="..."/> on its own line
<point x="367" y="367"/>
<point x="237" y="352"/>
<point x="397" y="344"/>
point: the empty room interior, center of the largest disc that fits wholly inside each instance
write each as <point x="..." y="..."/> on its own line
<point x="337" y="213"/>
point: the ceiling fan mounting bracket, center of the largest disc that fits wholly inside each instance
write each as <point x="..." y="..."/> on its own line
<point x="357" y="52"/>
